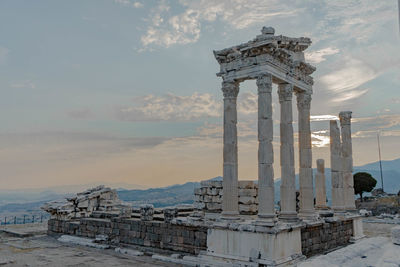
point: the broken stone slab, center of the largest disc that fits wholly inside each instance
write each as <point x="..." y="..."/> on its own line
<point x="199" y="205"/>
<point x="247" y="192"/>
<point x="247" y="200"/>
<point x="170" y="214"/>
<point x="248" y="208"/>
<point x="213" y="206"/>
<point x="81" y="241"/>
<point x="101" y="238"/>
<point x="129" y="252"/>
<point x="146" y="212"/>
<point x="246" y="184"/>
<point x="395" y="234"/>
<point x="174" y="260"/>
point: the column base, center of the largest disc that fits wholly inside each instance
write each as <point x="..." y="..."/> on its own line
<point x="266" y="220"/>
<point x="288" y="216"/>
<point x="308" y="215"/>
<point x="325" y="213"/>
<point x="230" y="215"/>
<point x="322" y="207"/>
<point x="351" y="210"/>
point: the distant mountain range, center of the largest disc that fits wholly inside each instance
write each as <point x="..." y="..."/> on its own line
<point x="31" y="200"/>
<point x="183" y="193"/>
<point x="161" y="197"/>
<point x="390" y="173"/>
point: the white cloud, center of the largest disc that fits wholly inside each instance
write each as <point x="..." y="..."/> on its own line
<point x="171" y="108"/>
<point x="23" y="84"/>
<point x="323" y="117"/>
<point x="320" y="138"/>
<point x="185" y="27"/>
<point x="137" y="5"/>
<point x="3" y="55"/>
<point x="122" y="2"/>
<point x="318" y="56"/>
<point x="344" y="83"/>
<point x="378" y="122"/>
<point x="129" y="3"/>
<point x="180" y="29"/>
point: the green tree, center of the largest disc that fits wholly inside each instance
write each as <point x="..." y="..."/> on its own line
<point x="363" y="182"/>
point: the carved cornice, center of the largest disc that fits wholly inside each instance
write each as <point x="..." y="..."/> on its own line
<point x="303" y="100"/>
<point x="264" y="83"/>
<point x="284" y="53"/>
<point x="285" y="92"/>
<point x="345" y="117"/>
<point x="230" y="89"/>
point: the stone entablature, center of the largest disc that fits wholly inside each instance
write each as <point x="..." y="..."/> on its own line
<point x="281" y="56"/>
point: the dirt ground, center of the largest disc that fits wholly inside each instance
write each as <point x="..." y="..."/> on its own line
<point x="377" y="229"/>
<point x="43" y="250"/>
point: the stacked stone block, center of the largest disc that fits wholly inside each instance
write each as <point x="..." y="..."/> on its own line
<point x="155" y="234"/>
<point x="209" y="197"/>
<point x="85" y="203"/>
<point x="321" y="237"/>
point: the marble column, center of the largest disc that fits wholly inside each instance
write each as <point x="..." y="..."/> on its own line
<point x="305" y="157"/>
<point x="336" y="168"/>
<point x="266" y="211"/>
<point x="288" y="183"/>
<point x="230" y="205"/>
<point x="320" y="186"/>
<point x="347" y="160"/>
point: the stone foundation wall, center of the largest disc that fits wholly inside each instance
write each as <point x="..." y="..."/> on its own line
<point x="208" y="197"/>
<point x="316" y="238"/>
<point x="322" y="237"/>
<point x="187" y="239"/>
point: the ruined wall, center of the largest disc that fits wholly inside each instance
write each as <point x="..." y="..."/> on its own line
<point x="381" y="204"/>
<point x="208" y="197"/>
<point x="188" y="239"/>
<point x="320" y="237"/>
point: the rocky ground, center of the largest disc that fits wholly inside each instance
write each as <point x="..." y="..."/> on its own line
<point x="28" y="245"/>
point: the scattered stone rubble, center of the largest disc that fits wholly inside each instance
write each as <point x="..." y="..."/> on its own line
<point x="208" y="198"/>
<point x="85" y="203"/>
<point x="396" y="235"/>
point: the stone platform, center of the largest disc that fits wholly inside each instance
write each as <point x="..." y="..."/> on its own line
<point x="239" y="242"/>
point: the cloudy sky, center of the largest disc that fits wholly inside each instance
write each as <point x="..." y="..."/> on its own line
<point x="125" y="91"/>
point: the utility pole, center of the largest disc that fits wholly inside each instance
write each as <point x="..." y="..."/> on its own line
<point x="398" y="6"/>
<point x="380" y="161"/>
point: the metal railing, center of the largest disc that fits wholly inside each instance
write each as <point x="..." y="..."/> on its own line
<point x="31" y="218"/>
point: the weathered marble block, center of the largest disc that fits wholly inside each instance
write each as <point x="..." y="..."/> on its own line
<point x="146" y="212"/>
<point x="170" y="214"/>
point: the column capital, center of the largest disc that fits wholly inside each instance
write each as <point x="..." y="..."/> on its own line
<point x="264" y="83"/>
<point x="303" y="100"/>
<point x="285" y="92"/>
<point x="345" y="117"/>
<point x="230" y="89"/>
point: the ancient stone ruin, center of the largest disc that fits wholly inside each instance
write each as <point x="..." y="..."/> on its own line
<point x="238" y="222"/>
<point x="85" y="203"/>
